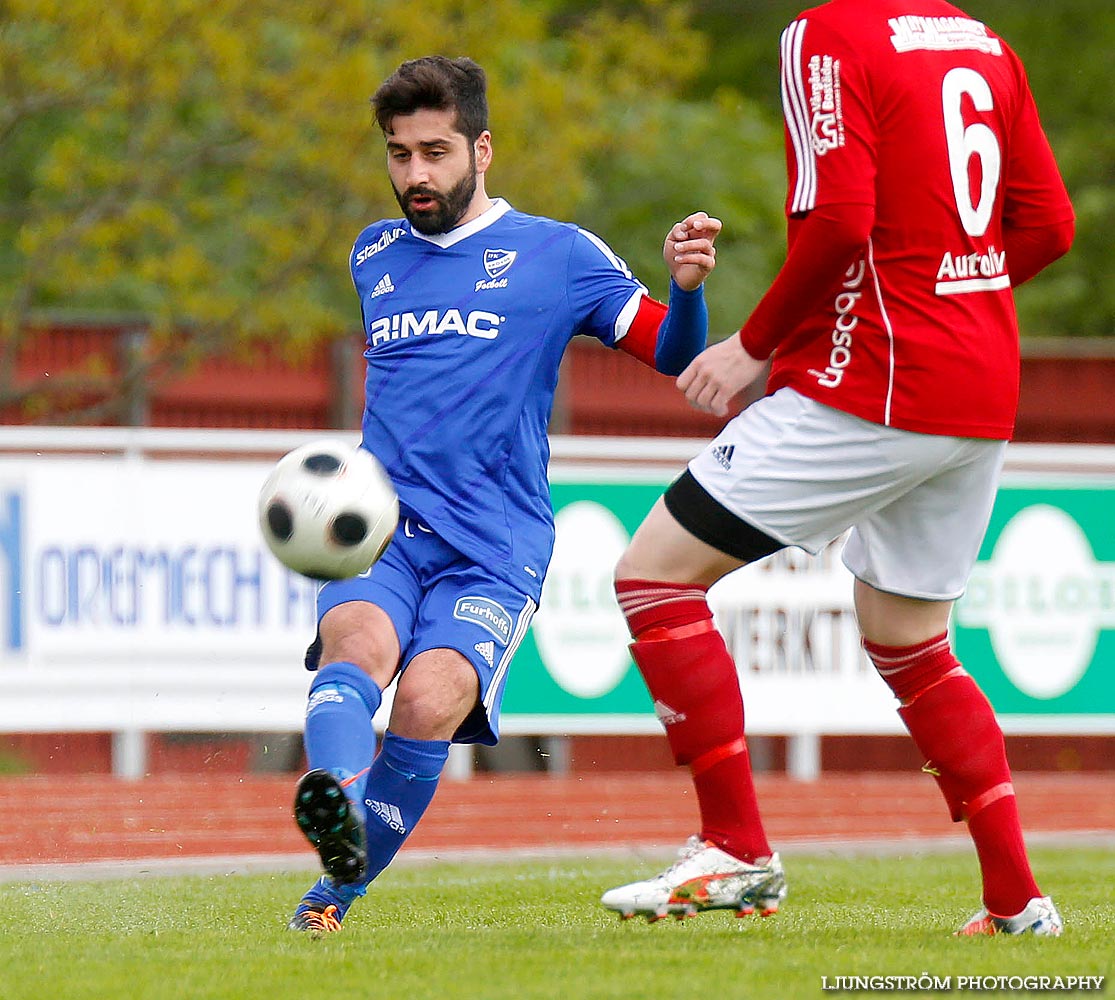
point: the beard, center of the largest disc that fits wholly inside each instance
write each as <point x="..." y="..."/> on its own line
<point x="448" y="207"/>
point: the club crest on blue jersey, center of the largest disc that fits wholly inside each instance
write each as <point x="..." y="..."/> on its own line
<point x="486" y="613"/>
<point x="496" y="262"/>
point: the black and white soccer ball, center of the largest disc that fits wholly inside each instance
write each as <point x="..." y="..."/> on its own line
<point x="328" y="510"/>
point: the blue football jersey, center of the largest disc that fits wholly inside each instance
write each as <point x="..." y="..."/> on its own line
<point x="465" y="335"/>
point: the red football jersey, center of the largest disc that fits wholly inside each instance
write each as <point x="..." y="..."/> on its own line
<point x="924" y="114"/>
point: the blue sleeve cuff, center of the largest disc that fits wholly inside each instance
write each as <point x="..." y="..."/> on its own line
<point x="684" y="330"/>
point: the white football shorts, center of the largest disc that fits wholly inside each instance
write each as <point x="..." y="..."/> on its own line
<point x="804" y="473"/>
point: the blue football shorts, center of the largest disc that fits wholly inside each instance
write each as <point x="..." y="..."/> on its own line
<point x="438" y="598"/>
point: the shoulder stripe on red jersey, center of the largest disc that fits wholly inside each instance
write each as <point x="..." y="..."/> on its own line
<point x="795" y="107"/>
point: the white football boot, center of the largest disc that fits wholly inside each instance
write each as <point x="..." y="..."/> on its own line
<point x="703" y="878"/>
<point x="1040" y="917"/>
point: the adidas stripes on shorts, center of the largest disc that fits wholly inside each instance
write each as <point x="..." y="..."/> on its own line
<point x="804" y="473"/>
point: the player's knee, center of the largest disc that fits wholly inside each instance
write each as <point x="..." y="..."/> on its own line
<point x="643" y="560"/>
<point x="362" y="634"/>
<point x="656" y="551"/>
<point x="435" y="694"/>
<point x="625" y="570"/>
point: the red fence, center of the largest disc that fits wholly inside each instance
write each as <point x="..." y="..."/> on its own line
<point x="1067" y="387"/>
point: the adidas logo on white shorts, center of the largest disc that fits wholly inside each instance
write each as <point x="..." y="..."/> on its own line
<point x="383" y="286"/>
<point x="486" y="650"/>
<point x="723" y="454"/>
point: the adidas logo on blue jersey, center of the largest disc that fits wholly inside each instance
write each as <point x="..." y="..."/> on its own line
<point x="383" y="286"/>
<point x="723" y="454"/>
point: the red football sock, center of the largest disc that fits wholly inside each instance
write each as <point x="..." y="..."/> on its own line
<point x="692" y="679"/>
<point x="729" y="808"/>
<point x="954" y="726"/>
<point x="1008" y="882"/>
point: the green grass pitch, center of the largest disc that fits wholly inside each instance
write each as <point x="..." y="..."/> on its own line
<point x="534" y="929"/>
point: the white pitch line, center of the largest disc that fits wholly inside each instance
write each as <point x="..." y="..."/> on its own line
<point x="255" y="864"/>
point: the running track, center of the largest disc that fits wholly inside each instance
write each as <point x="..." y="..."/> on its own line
<point x="58" y="821"/>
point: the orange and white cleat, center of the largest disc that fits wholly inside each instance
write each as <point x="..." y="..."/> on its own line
<point x="314" y="920"/>
<point x="1040" y="917"/>
<point x="324" y="906"/>
<point x="703" y="878"/>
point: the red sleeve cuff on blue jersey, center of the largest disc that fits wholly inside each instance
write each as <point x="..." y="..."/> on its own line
<point x="641" y="338"/>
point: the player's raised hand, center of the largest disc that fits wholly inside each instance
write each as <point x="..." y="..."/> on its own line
<point x="718" y="375"/>
<point x="689" y="249"/>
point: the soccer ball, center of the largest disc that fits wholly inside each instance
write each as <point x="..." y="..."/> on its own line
<point x="328" y="510"/>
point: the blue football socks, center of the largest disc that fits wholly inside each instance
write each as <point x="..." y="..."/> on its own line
<point x="400" y="786"/>
<point x="325" y="892"/>
<point x="339" y="737"/>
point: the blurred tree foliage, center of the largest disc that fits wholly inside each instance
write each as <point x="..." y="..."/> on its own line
<point x="204" y="166"/>
<point x="1067" y="49"/>
<point x="722" y="155"/>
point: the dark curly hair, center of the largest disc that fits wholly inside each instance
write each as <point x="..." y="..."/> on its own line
<point x="438" y="83"/>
